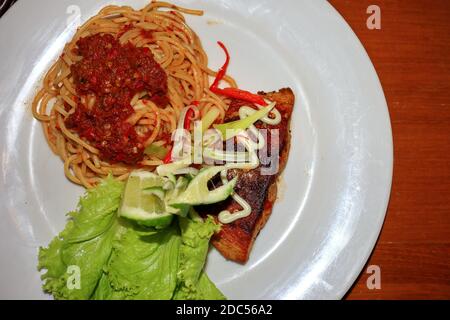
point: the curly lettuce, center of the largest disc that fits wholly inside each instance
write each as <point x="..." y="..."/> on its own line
<point x="193" y="284"/>
<point x="100" y="256"/>
<point x="85" y="243"/>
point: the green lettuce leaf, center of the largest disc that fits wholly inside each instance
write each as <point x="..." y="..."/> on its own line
<point x="119" y="260"/>
<point x="207" y="290"/>
<point x="193" y="284"/>
<point x="85" y="244"/>
<point x="142" y="267"/>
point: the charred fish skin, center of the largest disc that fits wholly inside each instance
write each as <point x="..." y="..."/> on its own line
<point x="235" y="240"/>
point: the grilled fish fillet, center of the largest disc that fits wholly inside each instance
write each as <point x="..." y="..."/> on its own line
<point x="236" y="239"/>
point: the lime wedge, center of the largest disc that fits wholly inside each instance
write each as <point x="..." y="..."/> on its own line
<point x="143" y="200"/>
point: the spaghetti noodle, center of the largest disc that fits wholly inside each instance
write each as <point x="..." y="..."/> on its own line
<point x="160" y="27"/>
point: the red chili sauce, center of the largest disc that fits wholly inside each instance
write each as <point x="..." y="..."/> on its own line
<point x="114" y="73"/>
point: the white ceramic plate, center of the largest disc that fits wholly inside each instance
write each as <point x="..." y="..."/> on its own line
<point x="336" y="186"/>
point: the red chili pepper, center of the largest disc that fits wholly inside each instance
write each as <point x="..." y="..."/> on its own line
<point x="168" y="157"/>
<point x="222" y="71"/>
<point x="240" y="94"/>
<point x="233" y="92"/>
<point x="188" y="118"/>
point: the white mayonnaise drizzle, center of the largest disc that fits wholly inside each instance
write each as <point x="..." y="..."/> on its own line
<point x="239" y="160"/>
<point x="252" y="147"/>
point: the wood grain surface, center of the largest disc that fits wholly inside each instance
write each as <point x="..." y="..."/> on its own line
<point x="411" y="53"/>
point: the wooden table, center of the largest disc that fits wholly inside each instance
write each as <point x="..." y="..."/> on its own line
<point x="411" y="53"/>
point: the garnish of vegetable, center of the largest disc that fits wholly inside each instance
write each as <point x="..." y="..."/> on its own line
<point x="171" y="168"/>
<point x="240" y="94"/>
<point x="143" y="200"/>
<point x="152" y="199"/>
<point x="168" y="157"/>
<point x="233" y="92"/>
<point x="120" y="261"/>
<point x="232" y="129"/>
<point x="188" y="118"/>
<point x="156" y="151"/>
<point x="209" y="118"/>
<point x="198" y="193"/>
<point x="223" y="70"/>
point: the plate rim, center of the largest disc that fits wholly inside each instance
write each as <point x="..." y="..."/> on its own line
<point x="374" y="239"/>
